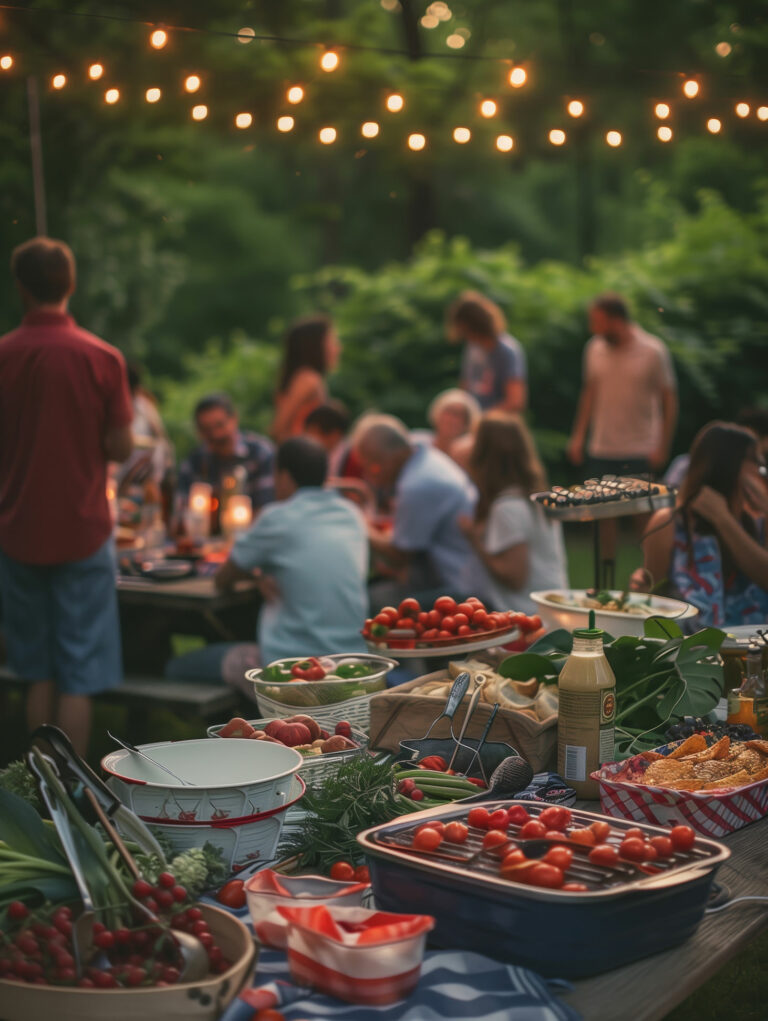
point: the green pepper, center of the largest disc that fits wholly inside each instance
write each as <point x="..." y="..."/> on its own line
<point x="350" y="670"/>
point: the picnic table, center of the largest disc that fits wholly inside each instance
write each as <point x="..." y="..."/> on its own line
<point x="192" y="598"/>
<point x="648" y="989"/>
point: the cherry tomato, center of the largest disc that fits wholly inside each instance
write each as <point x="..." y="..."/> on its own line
<point x="445" y="634"/>
<point x="449" y="624"/>
<point x="390" y="612"/>
<point x="434" y="617"/>
<point x="460" y="619"/>
<point x="682" y="837"/>
<point x="517" y="816"/>
<point x="600" y="829"/>
<point x="553" y="835"/>
<point x="404" y="624"/>
<point x="604" y="854"/>
<point x="456" y="832"/>
<point x="475" y="602"/>
<point x="513" y="858"/>
<point x="232" y="894"/>
<point x="384" y="619"/>
<point x="499" y="820"/>
<point x="445" y="604"/>
<point x="464" y="630"/>
<point x="542" y="874"/>
<point x="479" y="817"/>
<point x="583" y="836"/>
<point x="651" y="854"/>
<point x="362" y="874"/>
<point x="409" y="608"/>
<point x="438" y="827"/>
<point x="663" y="846"/>
<point x="423" y="619"/>
<point x="632" y="848"/>
<point x="427" y="839"/>
<point x="574" y="887"/>
<point x="433" y="632"/>
<point x="533" y="830"/>
<point x="342" y="871"/>
<point x="534" y="623"/>
<point x="479" y="618"/>
<point x="635" y="833"/>
<point x="559" y="856"/>
<point x="555" y="817"/>
<point x="494" y="838"/>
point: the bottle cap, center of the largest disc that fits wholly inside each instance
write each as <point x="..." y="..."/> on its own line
<point x="590" y="632"/>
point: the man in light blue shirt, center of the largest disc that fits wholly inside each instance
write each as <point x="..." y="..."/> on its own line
<point x="312" y="550"/>
<point x="431" y="493"/>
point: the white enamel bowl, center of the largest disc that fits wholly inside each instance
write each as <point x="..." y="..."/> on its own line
<point x="557" y="615"/>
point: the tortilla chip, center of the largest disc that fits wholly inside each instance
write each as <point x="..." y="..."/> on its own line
<point x="651" y="756"/>
<point x="714" y="770"/>
<point x="734" y="780"/>
<point x="662" y="771"/>
<point x="692" y="744"/>
<point x="758" y="746"/>
<point x="762" y="775"/>
<point x="684" y="785"/>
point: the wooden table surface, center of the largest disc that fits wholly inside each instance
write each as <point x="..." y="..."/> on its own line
<point x="184" y="593"/>
<point x="649" y="989"/>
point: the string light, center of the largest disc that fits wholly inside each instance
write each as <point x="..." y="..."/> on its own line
<point x="199" y="112"/>
<point x="557" y="136"/>
<point x="430" y="21"/>
<point x="416" y="142"/>
<point x="613" y="138"/>
<point x="329" y="60"/>
<point x="742" y="109"/>
<point x="6" y="62"/>
<point x="714" y="125"/>
<point x="575" y="108"/>
<point x="246" y="35"/>
<point x="455" y="41"/>
<point x="369" y="130"/>
<point x="192" y="83"/>
<point x="295" y="94"/>
<point x="505" y="143"/>
<point x="59" y="81"/>
<point x="489" y="108"/>
<point x="152" y="95"/>
<point x="243" y="120"/>
<point x="518" y="77"/>
<point x="662" y="111"/>
<point x="461" y="135"/>
<point x="394" y="102"/>
<point x="762" y="113"/>
<point x="327" y="135"/>
<point x="158" y="39"/>
<point x="111" y="96"/>
<point x="723" y="49"/>
<point x="664" y="133"/>
<point x="95" y="71"/>
<point x="690" y="88"/>
<point x="285" y="124"/>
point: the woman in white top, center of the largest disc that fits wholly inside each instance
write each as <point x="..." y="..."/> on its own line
<point x="519" y="550"/>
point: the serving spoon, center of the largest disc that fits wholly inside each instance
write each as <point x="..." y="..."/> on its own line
<point x="137" y="751"/>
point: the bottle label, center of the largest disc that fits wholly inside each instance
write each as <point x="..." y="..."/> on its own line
<point x="606" y="744"/>
<point x="585" y="732"/>
<point x="607" y="706"/>
<point x="575" y="763"/>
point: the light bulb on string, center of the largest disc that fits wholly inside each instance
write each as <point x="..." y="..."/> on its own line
<point x="505" y="143"/>
<point x="664" y="133"/>
<point x="723" y="49"/>
<point x="690" y="88"/>
<point x="518" y="77"/>
<point x="192" y="83"/>
<point x="199" y="112"/>
<point x="295" y="94"/>
<point x="58" y="81"/>
<point x="461" y="135"/>
<point x="489" y="108"/>
<point x="394" y="102"/>
<point x="369" y="129"/>
<point x="575" y="108"/>
<point x="153" y="95"/>
<point x="111" y="96"/>
<point x="557" y="136"/>
<point x="662" y="111"/>
<point x="762" y="113"/>
<point x="742" y="109"/>
<point x="285" y="123"/>
<point x="6" y="62"/>
<point x="330" y="60"/>
<point x="714" y="125"/>
<point x="613" y="138"/>
<point x="95" y="71"/>
<point x="243" y="120"/>
<point x="455" y="41"/>
<point x="158" y="39"/>
<point x="246" y="35"/>
<point x="327" y="135"/>
<point x="416" y="141"/>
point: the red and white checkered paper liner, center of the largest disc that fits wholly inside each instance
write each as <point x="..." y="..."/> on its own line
<point x="713" y="813"/>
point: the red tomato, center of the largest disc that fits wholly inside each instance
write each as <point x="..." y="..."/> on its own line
<point x="232" y="894"/>
<point x="384" y="619"/>
<point x="533" y="830"/>
<point x="404" y="624"/>
<point x="268" y="1014"/>
<point x="409" y="608"/>
<point x="479" y="619"/>
<point x="512" y="858"/>
<point x="632" y="848"/>
<point x="663" y="846"/>
<point x="456" y="832"/>
<point x="449" y="624"/>
<point x="529" y="624"/>
<point x="479" y="817"/>
<point x="478" y="603"/>
<point x="634" y="832"/>
<point x="362" y="874"/>
<point x="390" y="612"/>
<point x="517" y="816"/>
<point x="464" y="630"/>
<point x="559" y="856"/>
<point x="444" y="634"/>
<point x="423" y="618"/>
<point x="433" y="632"/>
<point x="466" y="608"/>
<point x="583" y="836"/>
<point x="445" y="604"/>
<point x="604" y="854"/>
<point x="555" y="817"/>
<point x="542" y="874"/>
<point x="600" y="829"/>
<point x="427" y="839"/>
<point x="574" y="887"/>
<point x="437" y="826"/>
<point x="494" y="838"/>
<point x="499" y="820"/>
<point x="682" y="837"/>
<point x="651" y="854"/>
<point x="342" y="871"/>
<point x="460" y="619"/>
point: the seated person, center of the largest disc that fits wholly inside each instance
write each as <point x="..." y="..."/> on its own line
<point x="519" y="549"/>
<point x="710" y="548"/>
<point x="453" y="415"/>
<point x="328" y="424"/>
<point x="224" y="448"/>
<point x="430" y="494"/>
<point x="755" y="419"/>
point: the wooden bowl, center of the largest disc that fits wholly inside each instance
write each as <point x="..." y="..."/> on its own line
<point x="188" y="1001"/>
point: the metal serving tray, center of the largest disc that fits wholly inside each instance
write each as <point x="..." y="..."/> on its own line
<point x="643" y="499"/>
<point x="628" y="911"/>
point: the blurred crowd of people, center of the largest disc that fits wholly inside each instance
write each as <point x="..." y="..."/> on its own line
<point x="346" y="515"/>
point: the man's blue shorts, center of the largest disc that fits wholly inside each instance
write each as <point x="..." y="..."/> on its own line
<point x="61" y="622"/>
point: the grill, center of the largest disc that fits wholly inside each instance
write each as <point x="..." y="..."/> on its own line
<point x="628" y="911"/>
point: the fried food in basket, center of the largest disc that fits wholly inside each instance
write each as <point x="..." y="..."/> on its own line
<point x="691" y="767"/>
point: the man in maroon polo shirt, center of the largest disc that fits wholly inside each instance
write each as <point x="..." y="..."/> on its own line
<point x="65" y="411"/>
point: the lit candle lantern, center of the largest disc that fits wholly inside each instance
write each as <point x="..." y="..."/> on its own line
<point x="198" y="516"/>
<point x="237" y="515"/>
